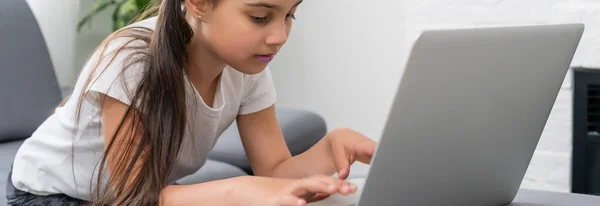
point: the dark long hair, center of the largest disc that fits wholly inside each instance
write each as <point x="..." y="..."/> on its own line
<point x="151" y="140"/>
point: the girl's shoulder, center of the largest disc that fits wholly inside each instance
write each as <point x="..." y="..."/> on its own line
<point x="116" y="67"/>
<point x="149" y="23"/>
<point x="130" y="35"/>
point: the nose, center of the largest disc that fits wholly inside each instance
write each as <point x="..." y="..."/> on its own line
<point x="278" y="34"/>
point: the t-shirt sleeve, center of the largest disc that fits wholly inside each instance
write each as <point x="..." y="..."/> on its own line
<point x="115" y="75"/>
<point x="259" y="93"/>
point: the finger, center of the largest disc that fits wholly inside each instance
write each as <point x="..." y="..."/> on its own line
<point x="342" y="162"/>
<point x="290" y="200"/>
<point x="343" y="174"/>
<point x="347" y="189"/>
<point x="337" y="183"/>
<point x="366" y="152"/>
<point x="343" y="187"/>
<point x="318" y="197"/>
<point x="305" y="186"/>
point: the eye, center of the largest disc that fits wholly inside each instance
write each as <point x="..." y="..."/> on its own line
<point x="292" y="16"/>
<point x="259" y="19"/>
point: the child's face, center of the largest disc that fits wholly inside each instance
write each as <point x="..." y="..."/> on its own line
<point x="247" y="34"/>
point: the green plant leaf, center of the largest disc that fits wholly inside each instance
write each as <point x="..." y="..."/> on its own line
<point x="142" y="4"/>
<point x="99" y="6"/>
<point x="125" y="12"/>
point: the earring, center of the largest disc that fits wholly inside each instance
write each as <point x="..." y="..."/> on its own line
<point x="199" y="18"/>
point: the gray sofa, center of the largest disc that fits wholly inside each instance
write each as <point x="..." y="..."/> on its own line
<point x="29" y="92"/>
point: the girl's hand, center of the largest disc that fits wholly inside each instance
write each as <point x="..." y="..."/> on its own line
<point x="263" y="191"/>
<point x="348" y="146"/>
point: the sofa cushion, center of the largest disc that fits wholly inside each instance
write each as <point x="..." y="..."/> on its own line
<point x="301" y="130"/>
<point x="212" y="170"/>
<point x="7" y="155"/>
<point x="28" y="84"/>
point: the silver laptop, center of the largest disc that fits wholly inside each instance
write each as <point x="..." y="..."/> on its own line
<point x="468" y="115"/>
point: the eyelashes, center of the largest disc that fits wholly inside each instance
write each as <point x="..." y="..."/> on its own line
<point x="259" y="20"/>
<point x="265" y="20"/>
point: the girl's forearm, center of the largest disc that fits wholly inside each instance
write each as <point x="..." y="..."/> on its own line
<point x="217" y="192"/>
<point x="318" y="160"/>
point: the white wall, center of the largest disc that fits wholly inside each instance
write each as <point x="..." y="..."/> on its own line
<point x="91" y="35"/>
<point x="424" y="14"/>
<point x="343" y="60"/>
<point x="58" y="24"/>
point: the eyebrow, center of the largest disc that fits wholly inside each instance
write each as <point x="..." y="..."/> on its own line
<point x="270" y="6"/>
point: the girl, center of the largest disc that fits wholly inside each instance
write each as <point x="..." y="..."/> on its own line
<point x="151" y="102"/>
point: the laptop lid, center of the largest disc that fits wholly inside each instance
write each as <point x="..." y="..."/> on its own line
<point x="468" y="115"/>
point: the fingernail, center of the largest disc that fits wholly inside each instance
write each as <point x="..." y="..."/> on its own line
<point x="353" y="186"/>
<point x="300" y="202"/>
<point x="345" y="188"/>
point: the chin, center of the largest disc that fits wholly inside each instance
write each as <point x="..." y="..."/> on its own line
<point x="254" y="69"/>
<point x="248" y="67"/>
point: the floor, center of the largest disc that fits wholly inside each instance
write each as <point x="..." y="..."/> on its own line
<point x="549" y="169"/>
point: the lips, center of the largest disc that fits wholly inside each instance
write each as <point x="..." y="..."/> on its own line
<point x="265" y="58"/>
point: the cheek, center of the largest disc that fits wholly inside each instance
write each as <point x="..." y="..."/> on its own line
<point x="234" y="40"/>
<point x="239" y="46"/>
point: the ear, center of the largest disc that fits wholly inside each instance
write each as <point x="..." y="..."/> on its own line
<point x="198" y="8"/>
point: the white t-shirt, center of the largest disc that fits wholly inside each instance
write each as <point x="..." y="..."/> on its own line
<point x="54" y="160"/>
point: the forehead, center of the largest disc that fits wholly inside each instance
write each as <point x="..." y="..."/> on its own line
<point x="269" y="4"/>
